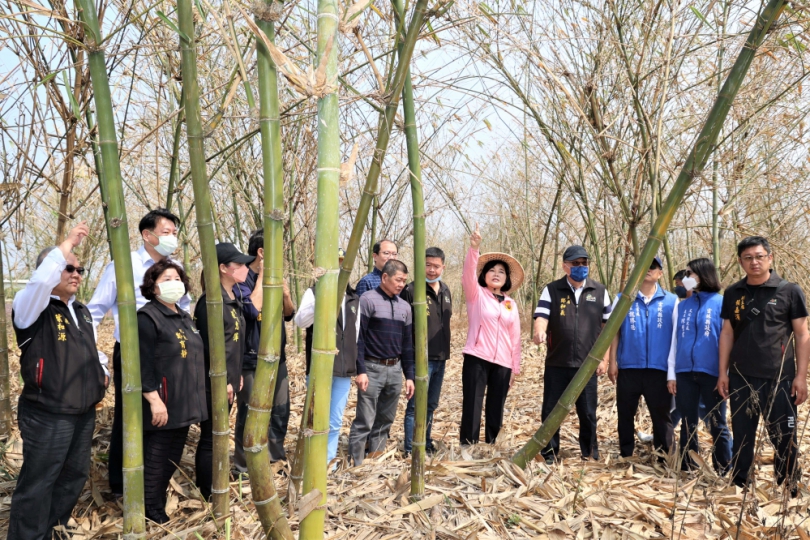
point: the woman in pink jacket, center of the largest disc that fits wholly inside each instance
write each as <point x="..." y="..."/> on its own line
<point x="492" y="352"/>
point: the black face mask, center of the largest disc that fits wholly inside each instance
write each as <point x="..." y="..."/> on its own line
<point x="680" y="291"/>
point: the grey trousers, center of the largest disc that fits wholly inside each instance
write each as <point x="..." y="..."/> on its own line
<point x="279" y="418"/>
<point x="376" y="410"/>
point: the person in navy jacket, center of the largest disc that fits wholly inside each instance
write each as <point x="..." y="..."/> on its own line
<point x="638" y="362"/>
<point x="694" y="360"/>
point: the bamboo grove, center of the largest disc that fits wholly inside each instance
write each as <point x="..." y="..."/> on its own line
<point x="118" y="107"/>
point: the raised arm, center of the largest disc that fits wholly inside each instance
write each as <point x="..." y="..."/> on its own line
<point x="30" y="302"/>
<point x="469" y="280"/>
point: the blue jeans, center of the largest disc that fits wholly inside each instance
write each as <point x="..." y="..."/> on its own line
<point x="435" y="379"/>
<point x="337" y="406"/>
<point x="693" y="388"/>
<point x="340" y="396"/>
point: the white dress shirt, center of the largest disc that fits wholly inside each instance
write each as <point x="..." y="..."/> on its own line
<point x="105" y="298"/>
<point x="29" y="303"/>
<point x="305" y="316"/>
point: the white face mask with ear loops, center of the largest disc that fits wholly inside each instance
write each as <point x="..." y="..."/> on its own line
<point x="689" y="283"/>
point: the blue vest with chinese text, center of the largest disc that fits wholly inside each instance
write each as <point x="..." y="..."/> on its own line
<point x="698" y="336"/>
<point x="646" y="333"/>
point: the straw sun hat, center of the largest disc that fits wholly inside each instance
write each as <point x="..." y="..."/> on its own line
<point x="516" y="273"/>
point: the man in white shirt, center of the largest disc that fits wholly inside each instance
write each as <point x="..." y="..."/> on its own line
<point x="158" y="230"/>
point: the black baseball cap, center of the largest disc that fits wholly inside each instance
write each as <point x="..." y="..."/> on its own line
<point x="573" y="253"/>
<point x="657" y="260"/>
<point x="227" y="253"/>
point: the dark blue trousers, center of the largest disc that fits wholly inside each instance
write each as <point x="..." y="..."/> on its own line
<point x="695" y="388"/>
<point x="435" y="379"/>
<point x="56" y="464"/>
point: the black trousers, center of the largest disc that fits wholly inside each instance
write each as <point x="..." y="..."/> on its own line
<point x="752" y="397"/>
<point x="652" y="384"/>
<point x="115" y="464"/>
<point x="479" y="376"/>
<point x="204" y="459"/>
<point x="555" y="381"/>
<point x="279" y="418"/>
<point x="56" y="464"/>
<point x="162" y="451"/>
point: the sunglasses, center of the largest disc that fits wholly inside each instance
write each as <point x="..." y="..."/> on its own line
<point x="78" y="269"/>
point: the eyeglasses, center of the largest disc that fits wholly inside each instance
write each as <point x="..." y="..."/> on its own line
<point x="748" y="259"/>
<point x="388" y="253"/>
<point x="78" y="269"/>
<point x="578" y="263"/>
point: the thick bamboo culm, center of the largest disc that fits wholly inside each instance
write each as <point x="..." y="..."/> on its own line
<point x="419" y="283"/>
<point x="692" y="168"/>
<point x="134" y="521"/>
<point x="205" y="231"/>
<point x="257" y="455"/>
<point x="316" y="419"/>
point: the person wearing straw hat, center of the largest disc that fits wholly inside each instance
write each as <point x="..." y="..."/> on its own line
<point x="568" y="319"/>
<point x="492" y="351"/>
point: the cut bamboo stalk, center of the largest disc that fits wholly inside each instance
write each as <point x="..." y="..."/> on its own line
<point x="213" y="288"/>
<point x="5" y="404"/>
<point x="134" y="521"/>
<point x="692" y="168"/>
<point x="265" y="498"/>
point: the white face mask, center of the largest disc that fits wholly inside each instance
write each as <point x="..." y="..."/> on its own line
<point x="689" y="283"/>
<point x="171" y="291"/>
<point x="166" y="244"/>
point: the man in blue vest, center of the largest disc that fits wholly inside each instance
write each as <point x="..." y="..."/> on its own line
<point x="638" y="362"/>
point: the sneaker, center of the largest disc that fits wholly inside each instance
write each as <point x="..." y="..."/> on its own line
<point x="644" y="437"/>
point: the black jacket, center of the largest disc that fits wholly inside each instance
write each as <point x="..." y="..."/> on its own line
<point x="253" y="322"/>
<point x="172" y="364"/>
<point x="759" y="349"/>
<point x="573" y="328"/>
<point x="59" y="360"/>
<point x="234" y="337"/>
<point x="439" y="312"/>
<point x="346" y="340"/>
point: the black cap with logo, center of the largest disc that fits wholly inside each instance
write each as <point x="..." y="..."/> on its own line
<point x="227" y="253"/>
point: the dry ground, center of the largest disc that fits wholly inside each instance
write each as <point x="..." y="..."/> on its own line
<point x="471" y="494"/>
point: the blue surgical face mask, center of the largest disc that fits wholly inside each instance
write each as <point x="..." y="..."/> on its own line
<point x="579" y="273"/>
<point x="680" y="291"/>
<point x="438" y="279"/>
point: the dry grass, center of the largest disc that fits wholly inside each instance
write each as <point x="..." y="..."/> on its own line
<point x="475" y="493"/>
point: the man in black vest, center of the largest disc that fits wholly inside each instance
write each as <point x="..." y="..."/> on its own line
<point x="439" y="311"/>
<point x="251" y="295"/>
<point x="759" y="368"/>
<point x="63" y="380"/>
<point x="345" y="366"/>
<point x="568" y="319"/>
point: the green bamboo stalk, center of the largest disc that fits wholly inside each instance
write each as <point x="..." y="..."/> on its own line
<point x="5" y="392"/>
<point x="419" y="283"/>
<point x="265" y="498"/>
<point x="174" y="168"/>
<point x="134" y="522"/>
<point x="296" y="288"/>
<point x="385" y="124"/>
<point x="205" y="231"/>
<point x="319" y="390"/>
<point x="693" y="167"/>
<point x="373" y="237"/>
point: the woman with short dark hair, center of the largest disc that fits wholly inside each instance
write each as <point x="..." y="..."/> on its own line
<point x="172" y="379"/>
<point x="694" y="362"/>
<point x="492" y="352"/>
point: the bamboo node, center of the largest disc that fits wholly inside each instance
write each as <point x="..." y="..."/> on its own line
<point x="257" y="409"/>
<point x="220" y="491"/>
<point x="324" y="351"/>
<point x="255" y="449"/>
<point x="418" y="378"/>
<point x="132" y="469"/>
<point x="276" y="215"/>
<point x="225" y="433"/>
<point x="116" y="222"/>
<point x="311" y="432"/>
<point x="419" y="304"/>
<point x="414" y="443"/>
<point x="318" y="271"/>
<point x="267" y="12"/>
<point x="271" y="358"/>
<point x="330" y="16"/>
<point x="266" y="501"/>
